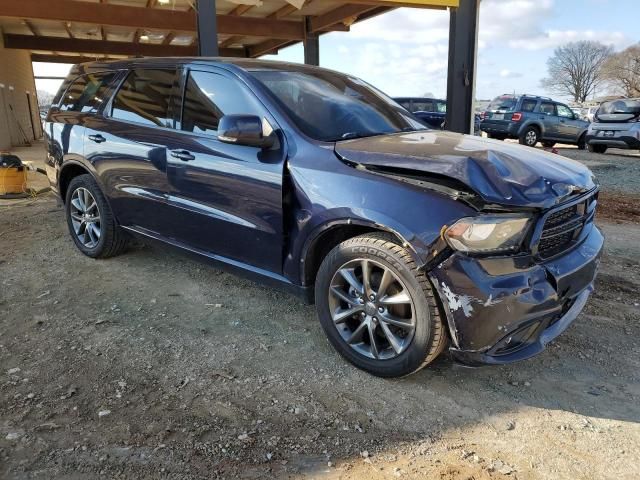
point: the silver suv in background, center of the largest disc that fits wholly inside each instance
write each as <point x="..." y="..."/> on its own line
<point x="616" y="124"/>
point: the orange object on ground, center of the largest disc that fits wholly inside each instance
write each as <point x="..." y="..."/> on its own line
<point x="13" y="180"/>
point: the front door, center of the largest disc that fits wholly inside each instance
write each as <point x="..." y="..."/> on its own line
<point x="225" y="199"/>
<point x="568" y="126"/>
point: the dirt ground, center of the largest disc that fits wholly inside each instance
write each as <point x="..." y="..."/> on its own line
<point x="150" y="365"/>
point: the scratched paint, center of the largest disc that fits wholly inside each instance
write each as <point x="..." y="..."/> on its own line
<point x="457" y="302"/>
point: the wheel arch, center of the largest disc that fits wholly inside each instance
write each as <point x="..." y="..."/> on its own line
<point x="331" y="234"/>
<point x="69" y="171"/>
<point x="538" y="126"/>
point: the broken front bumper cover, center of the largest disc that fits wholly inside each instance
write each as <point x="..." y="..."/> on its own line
<point x="502" y="310"/>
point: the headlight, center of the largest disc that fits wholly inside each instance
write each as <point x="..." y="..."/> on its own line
<point x="487" y="233"/>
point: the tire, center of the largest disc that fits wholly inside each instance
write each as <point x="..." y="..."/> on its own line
<point x="547" y="144"/>
<point x="582" y="142"/>
<point x="421" y="343"/>
<point x="529" y="137"/>
<point x="496" y="137"/>
<point x="597" y="148"/>
<point x="102" y="240"/>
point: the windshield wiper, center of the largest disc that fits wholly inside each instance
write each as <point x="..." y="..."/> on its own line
<point x="351" y="135"/>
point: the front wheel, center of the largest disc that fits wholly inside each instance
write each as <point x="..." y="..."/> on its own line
<point x="377" y="309"/>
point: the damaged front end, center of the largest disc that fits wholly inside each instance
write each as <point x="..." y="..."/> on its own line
<point x="502" y="309"/>
<point x="517" y="274"/>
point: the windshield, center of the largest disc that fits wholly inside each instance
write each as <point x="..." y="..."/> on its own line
<point x="622" y="106"/>
<point x="503" y="103"/>
<point x="330" y="107"/>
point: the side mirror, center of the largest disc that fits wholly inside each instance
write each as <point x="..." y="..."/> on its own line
<point x="248" y="130"/>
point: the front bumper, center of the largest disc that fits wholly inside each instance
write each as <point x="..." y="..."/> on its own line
<point x="502" y="310"/>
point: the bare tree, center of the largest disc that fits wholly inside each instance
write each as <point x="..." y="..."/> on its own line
<point x="576" y="69"/>
<point x="44" y="99"/>
<point x="622" y="71"/>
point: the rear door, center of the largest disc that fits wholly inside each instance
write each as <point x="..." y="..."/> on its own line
<point x="548" y="115"/>
<point x="569" y="127"/>
<point x="225" y="199"/>
<point x="128" y="147"/>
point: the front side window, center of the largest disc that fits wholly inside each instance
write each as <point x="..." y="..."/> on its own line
<point x="564" y="111"/>
<point x="145" y="97"/>
<point x="210" y="96"/>
<point x="330" y="107"/>
<point x="87" y="93"/>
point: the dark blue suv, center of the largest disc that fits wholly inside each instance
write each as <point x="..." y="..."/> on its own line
<point x="531" y="119"/>
<point x="408" y="240"/>
<point x="431" y="111"/>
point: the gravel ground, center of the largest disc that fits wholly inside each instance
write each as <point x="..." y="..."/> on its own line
<point x="152" y="366"/>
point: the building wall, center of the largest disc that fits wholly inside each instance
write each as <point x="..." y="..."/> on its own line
<point x="16" y="81"/>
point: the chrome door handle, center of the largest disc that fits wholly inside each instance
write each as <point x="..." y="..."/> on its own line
<point x="182" y="155"/>
<point x="97" y="138"/>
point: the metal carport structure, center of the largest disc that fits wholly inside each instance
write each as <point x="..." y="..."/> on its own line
<point x="74" y="31"/>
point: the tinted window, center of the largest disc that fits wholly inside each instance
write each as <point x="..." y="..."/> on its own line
<point x="209" y="96"/>
<point x="145" y="97"/>
<point x="622" y="106"/>
<point x="329" y="107"/>
<point x="86" y="93"/>
<point x="564" y="111"/>
<point x="529" y="105"/>
<point x="405" y="104"/>
<point x="548" y="108"/>
<point x="422" y="106"/>
<point x="441" y="107"/>
<point x="504" y="103"/>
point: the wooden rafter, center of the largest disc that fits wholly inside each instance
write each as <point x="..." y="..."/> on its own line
<point x="102" y="48"/>
<point x="32" y="28"/>
<point x="67" y="27"/>
<point x="168" y="38"/>
<point x="237" y="11"/>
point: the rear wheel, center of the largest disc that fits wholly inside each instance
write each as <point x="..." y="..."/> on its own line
<point x="598" y="148"/>
<point x="90" y="220"/>
<point x="547" y="144"/>
<point x="529" y="137"/>
<point x="377" y="309"/>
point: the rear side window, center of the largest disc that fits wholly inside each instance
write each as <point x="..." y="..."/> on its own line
<point x="209" y="96"/>
<point x="405" y="104"/>
<point x="145" y="98"/>
<point x="86" y="93"/>
<point x="529" y="105"/>
<point x="548" y="108"/>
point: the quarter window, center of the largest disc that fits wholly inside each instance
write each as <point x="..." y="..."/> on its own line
<point x="209" y="96"/>
<point x="145" y="97"/>
<point x="86" y="93"/>
<point x="422" y="106"/>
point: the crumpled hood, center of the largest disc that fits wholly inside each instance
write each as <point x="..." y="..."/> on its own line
<point x="499" y="172"/>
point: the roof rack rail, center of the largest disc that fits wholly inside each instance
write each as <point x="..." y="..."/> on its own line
<point x="528" y="95"/>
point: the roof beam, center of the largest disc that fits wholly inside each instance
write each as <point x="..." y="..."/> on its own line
<point x="337" y="15"/>
<point x="42" y="57"/>
<point x="430" y="4"/>
<point x="236" y="12"/>
<point x="67" y="27"/>
<point x="31" y="27"/>
<point x="28" y="42"/>
<point x="147" y="18"/>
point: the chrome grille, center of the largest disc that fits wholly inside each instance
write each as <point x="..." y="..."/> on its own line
<point x="563" y="226"/>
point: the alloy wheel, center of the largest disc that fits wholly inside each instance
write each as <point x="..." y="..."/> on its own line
<point x="372" y="310"/>
<point x="531" y="138"/>
<point x="85" y="217"/>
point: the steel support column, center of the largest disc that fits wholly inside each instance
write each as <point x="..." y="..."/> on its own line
<point x="311" y="45"/>
<point x="207" y="28"/>
<point x="461" y="81"/>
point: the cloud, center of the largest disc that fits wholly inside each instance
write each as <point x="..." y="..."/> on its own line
<point x="555" y="38"/>
<point x="506" y="73"/>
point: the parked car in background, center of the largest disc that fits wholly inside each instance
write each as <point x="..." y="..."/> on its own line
<point x="432" y="112"/>
<point x="407" y="239"/>
<point x="588" y="113"/>
<point x="616" y="124"/>
<point x="532" y="119"/>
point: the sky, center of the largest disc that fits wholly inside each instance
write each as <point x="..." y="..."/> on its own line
<point x="404" y="52"/>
